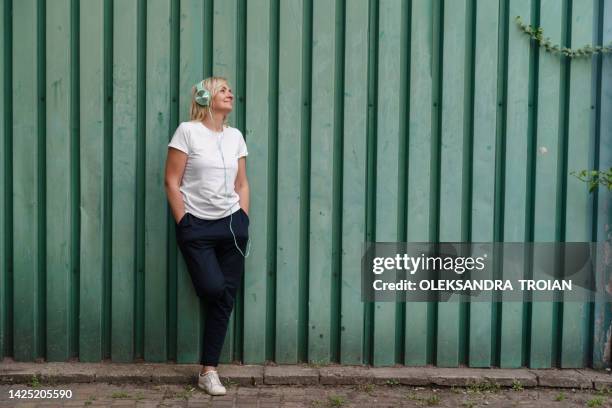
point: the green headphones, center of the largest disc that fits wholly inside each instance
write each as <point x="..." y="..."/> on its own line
<point x="202" y="96"/>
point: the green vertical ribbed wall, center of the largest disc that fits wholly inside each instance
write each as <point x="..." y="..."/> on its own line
<point x="366" y="120"/>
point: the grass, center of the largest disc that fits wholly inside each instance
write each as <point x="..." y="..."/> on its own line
<point x="34" y="381"/>
<point x="595" y="402"/>
<point x="482" y="387"/>
<point x="185" y="393"/>
<point x="228" y="383"/>
<point x="392" y="382"/>
<point x="332" y="401"/>
<point x="367" y="388"/>
<point x="120" y="394"/>
<point x="560" y="396"/>
<point x="431" y="400"/>
<point x="517" y="386"/>
<point x="317" y="363"/>
<point x="336" y="400"/>
<point x="90" y="399"/>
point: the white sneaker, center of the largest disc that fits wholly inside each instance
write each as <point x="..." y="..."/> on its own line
<point x="210" y="383"/>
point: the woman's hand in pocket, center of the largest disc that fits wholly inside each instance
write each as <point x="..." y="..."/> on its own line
<point x="181" y="218"/>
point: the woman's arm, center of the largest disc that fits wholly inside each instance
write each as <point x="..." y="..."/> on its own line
<point x="241" y="185"/>
<point x="175" y="167"/>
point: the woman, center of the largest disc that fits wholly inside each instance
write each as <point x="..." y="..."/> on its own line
<point x="208" y="192"/>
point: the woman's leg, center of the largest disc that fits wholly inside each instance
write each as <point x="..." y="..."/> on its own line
<point x="202" y="265"/>
<point x="219" y="310"/>
<point x="216" y="267"/>
<point x="231" y="263"/>
<point x="197" y="240"/>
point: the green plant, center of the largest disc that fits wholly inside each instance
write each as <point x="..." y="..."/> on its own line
<point x="595" y="177"/>
<point x="560" y="397"/>
<point x="367" y="388"/>
<point x="604" y="391"/>
<point x="433" y="400"/>
<point x="595" y="402"/>
<point x="317" y="363"/>
<point x="35" y="381"/>
<point x="392" y="381"/>
<point x="186" y="392"/>
<point x="228" y="382"/>
<point x="412" y="396"/>
<point x="517" y="386"/>
<point x="483" y="386"/>
<point x="537" y="34"/>
<point x="120" y="394"/>
<point x="336" y="400"/>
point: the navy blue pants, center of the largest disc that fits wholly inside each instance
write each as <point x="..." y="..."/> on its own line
<point x="216" y="269"/>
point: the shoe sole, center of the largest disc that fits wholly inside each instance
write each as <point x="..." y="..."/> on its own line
<point x="210" y="393"/>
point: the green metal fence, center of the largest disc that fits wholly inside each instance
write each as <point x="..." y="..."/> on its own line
<point x="379" y="120"/>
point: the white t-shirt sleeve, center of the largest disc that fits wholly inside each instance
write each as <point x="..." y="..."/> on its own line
<point x="179" y="140"/>
<point x="242" y="147"/>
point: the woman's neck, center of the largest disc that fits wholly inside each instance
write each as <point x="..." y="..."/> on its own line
<point x="216" y="124"/>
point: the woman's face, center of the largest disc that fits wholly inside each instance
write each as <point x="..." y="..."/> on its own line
<point x="224" y="99"/>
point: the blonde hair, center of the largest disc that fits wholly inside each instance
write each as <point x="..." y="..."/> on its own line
<point x="199" y="112"/>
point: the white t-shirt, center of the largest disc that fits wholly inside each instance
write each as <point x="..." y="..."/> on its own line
<point x="204" y="193"/>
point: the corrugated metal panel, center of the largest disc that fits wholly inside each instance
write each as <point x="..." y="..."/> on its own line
<point x="602" y="127"/>
<point x="383" y="120"/>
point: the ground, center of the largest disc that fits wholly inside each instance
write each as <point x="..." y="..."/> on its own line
<point x="363" y="396"/>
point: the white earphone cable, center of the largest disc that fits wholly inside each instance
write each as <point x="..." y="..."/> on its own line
<point x="226" y="196"/>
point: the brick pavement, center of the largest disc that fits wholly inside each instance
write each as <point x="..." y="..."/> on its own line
<point x="302" y="385"/>
<point x="264" y="396"/>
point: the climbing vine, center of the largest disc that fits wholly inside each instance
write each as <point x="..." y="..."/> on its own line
<point x="592" y="177"/>
<point x="595" y="178"/>
<point x="537" y="34"/>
